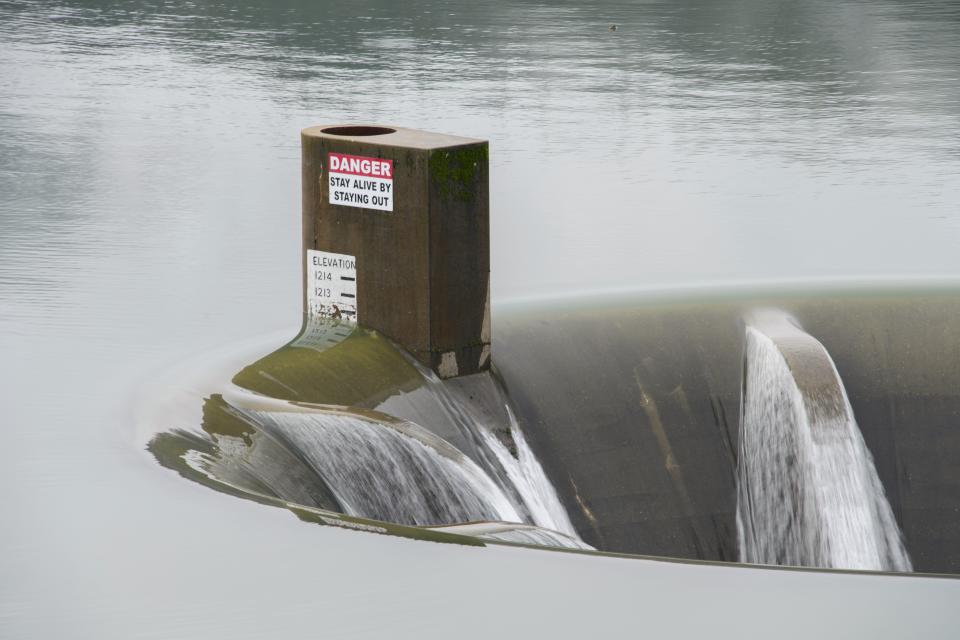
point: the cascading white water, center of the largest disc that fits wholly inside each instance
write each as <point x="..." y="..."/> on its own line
<point x="371" y="464"/>
<point x="808" y="491"/>
<point x="526" y="474"/>
<point x="397" y="473"/>
<point x="524" y="480"/>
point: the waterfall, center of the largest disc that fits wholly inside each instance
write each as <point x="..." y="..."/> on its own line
<point x="370" y="464"/>
<point x="518" y="472"/>
<point x="381" y="463"/>
<point x="526" y="474"/>
<point x="393" y="472"/>
<point x="808" y="491"/>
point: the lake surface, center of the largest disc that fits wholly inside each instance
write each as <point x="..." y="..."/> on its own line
<point x="150" y="210"/>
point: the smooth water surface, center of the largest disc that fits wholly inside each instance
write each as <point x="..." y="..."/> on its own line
<point x="149" y="209"/>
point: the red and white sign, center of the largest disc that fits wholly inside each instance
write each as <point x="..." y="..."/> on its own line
<point x="358" y="181"/>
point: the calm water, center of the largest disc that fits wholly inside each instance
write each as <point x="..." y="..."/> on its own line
<point x="149" y="202"/>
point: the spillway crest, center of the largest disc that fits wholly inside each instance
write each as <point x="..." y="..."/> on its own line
<point x="808" y="491"/>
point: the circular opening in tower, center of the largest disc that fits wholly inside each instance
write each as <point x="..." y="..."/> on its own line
<point x="358" y="131"/>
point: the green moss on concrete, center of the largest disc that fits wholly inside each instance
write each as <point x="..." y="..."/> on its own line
<point x="362" y="370"/>
<point x="455" y="171"/>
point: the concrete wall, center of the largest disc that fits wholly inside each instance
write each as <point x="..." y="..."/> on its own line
<point x="633" y="414"/>
<point x="633" y="408"/>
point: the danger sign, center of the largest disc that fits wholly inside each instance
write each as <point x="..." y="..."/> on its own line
<point x="357" y="181"/>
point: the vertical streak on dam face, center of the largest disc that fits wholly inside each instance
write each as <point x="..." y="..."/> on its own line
<point x="808" y="492"/>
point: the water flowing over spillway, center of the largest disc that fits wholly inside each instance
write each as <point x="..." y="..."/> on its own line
<point x="526" y="474"/>
<point x="396" y="473"/>
<point x="808" y="492"/>
<point x="518" y="472"/>
<point x="371" y="464"/>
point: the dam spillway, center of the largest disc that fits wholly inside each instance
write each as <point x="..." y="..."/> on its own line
<point x="632" y="405"/>
<point x="630" y="408"/>
<point x="808" y="491"/>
